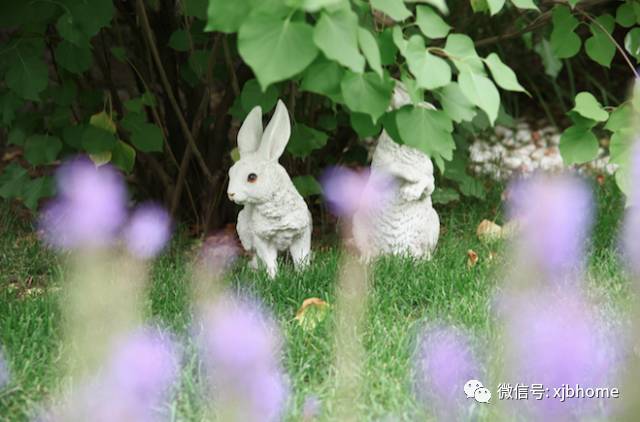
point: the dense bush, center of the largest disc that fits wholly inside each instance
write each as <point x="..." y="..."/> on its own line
<point x="159" y="87"/>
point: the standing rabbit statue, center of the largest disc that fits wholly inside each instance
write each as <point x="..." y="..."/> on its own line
<point x="274" y="217"/>
<point x="407" y="224"/>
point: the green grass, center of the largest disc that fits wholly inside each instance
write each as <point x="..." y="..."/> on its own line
<point x="403" y="294"/>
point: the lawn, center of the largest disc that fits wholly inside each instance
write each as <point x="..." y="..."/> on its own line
<point x="403" y="294"/>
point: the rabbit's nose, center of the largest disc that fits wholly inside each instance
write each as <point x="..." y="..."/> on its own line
<point x="231" y="195"/>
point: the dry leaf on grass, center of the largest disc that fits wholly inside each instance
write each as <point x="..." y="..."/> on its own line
<point x="488" y="231"/>
<point x="312" y="312"/>
<point x="472" y="258"/>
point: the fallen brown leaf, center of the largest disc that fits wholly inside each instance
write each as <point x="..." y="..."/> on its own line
<point x="311" y="313"/>
<point x="488" y="231"/>
<point x="472" y="258"/>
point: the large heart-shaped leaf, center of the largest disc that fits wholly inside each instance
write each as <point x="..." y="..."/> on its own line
<point x="42" y="149"/>
<point x="564" y="41"/>
<point x="336" y="34"/>
<point x="578" y="145"/>
<point x="276" y="49"/>
<point x="587" y="106"/>
<point x="430" y="23"/>
<point x="462" y="52"/>
<point x="27" y="76"/>
<point x="599" y="46"/>
<point x="430" y="71"/>
<point x="502" y="74"/>
<point x="455" y="103"/>
<point x="426" y="130"/>
<point x="482" y="92"/>
<point x="73" y="58"/>
<point x="366" y="93"/>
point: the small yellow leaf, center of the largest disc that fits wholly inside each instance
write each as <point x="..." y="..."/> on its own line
<point x="101" y="158"/>
<point x="472" y="258"/>
<point x="103" y="121"/>
<point x="311" y="313"/>
<point x="488" y="231"/>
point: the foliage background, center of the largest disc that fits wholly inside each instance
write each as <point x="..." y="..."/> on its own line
<point x="158" y="88"/>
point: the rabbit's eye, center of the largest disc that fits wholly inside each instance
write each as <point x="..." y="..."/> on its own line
<point x="252" y="177"/>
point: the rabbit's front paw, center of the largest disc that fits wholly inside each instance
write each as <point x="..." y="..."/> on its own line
<point x="412" y="192"/>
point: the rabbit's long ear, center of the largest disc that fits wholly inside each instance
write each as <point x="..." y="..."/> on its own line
<point x="250" y="132"/>
<point x="277" y="133"/>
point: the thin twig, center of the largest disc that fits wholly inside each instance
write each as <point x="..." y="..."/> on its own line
<point x="167" y="87"/>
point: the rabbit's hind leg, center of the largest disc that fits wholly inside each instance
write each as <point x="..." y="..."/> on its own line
<point x="300" y="249"/>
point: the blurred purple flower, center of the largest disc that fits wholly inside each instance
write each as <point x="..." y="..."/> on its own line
<point x="133" y="387"/>
<point x="443" y="362"/>
<point x="4" y="371"/>
<point x="555" y="214"/>
<point x="89" y="208"/>
<point x="555" y="338"/>
<point x="219" y="252"/>
<point x="311" y="408"/>
<point x="631" y="227"/>
<point x="347" y="191"/>
<point x="241" y="348"/>
<point x="147" y="231"/>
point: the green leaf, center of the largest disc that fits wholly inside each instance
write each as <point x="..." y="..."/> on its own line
<point x="72" y="136"/>
<point x="479" y="5"/>
<point x="430" y="23"/>
<point x="36" y="189"/>
<point x="73" y="58"/>
<point x="632" y="43"/>
<point x="430" y="71"/>
<point x="621" y="146"/>
<point x="276" y="49"/>
<point x="315" y="5"/>
<point x="441" y="5"/>
<point x="525" y="4"/>
<point x="426" y="130"/>
<point x="69" y="30"/>
<point x="179" y="40"/>
<point x="119" y="53"/>
<point x="388" y="49"/>
<point x="103" y="121"/>
<point x="578" y="145"/>
<point x="416" y="93"/>
<point x="625" y="15"/>
<point x="336" y="34"/>
<point x="252" y="96"/>
<point x="445" y="196"/>
<point x="364" y="126"/>
<point x="482" y="92"/>
<point x="455" y="104"/>
<point x="587" y="106"/>
<point x="307" y="185"/>
<point x="305" y="139"/>
<point x="552" y="64"/>
<point x="197" y="8"/>
<point x="366" y="93"/>
<point x="12" y="181"/>
<point x="398" y="39"/>
<point x="462" y="52"/>
<point x="395" y="9"/>
<point x="145" y="136"/>
<point x="9" y="105"/>
<point x="599" y="46"/>
<point x="565" y="42"/>
<point x="123" y="156"/>
<point x="96" y="140"/>
<point x="369" y="48"/>
<point x="27" y="76"/>
<point x="502" y="74"/>
<point x="323" y="77"/>
<point x="42" y="149"/>
<point x="495" y="6"/>
<point x="620" y="118"/>
<point x="16" y="136"/>
<point x="227" y="16"/>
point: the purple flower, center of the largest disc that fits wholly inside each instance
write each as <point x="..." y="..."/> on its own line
<point x="241" y="348"/>
<point x="443" y="363"/>
<point x="311" y="408"/>
<point x="555" y="214"/>
<point x="631" y="227"/>
<point x="89" y="208"/>
<point x="347" y="191"/>
<point x="133" y="387"/>
<point x="554" y="338"/>
<point x="4" y="371"/>
<point x="147" y="231"/>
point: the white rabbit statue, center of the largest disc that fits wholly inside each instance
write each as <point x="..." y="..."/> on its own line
<point x="408" y="224"/>
<point x="274" y="217"/>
